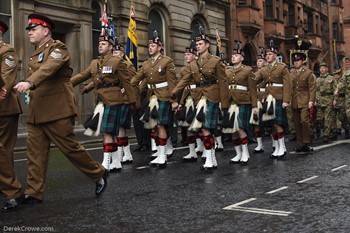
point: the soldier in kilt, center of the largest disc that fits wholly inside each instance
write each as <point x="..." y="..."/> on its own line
<point x="242" y="89"/>
<point x="186" y="107"/>
<point x="303" y="98"/>
<point x="158" y="72"/>
<point x="109" y="76"/>
<point x="208" y="74"/>
<point x="278" y="88"/>
<point x="339" y="103"/>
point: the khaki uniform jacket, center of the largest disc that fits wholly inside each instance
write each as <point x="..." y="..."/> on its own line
<point x="278" y="74"/>
<point x="260" y="86"/>
<point x="242" y="76"/>
<point x="304" y="88"/>
<point x="214" y="69"/>
<point x="162" y="70"/>
<point x="49" y="69"/>
<point x="8" y="73"/>
<point x="108" y="70"/>
<point x="325" y="89"/>
<point x="186" y="91"/>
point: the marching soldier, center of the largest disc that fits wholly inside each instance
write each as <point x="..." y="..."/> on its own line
<point x="158" y="72"/>
<point x="9" y="113"/>
<point x="325" y="89"/>
<point x="303" y="98"/>
<point x="346" y="84"/>
<point x="339" y="103"/>
<point x="276" y="99"/>
<point x="51" y="113"/>
<point x="242" y="89"/>
<point x="110" y="75"/>
<point x="208" y="74"/>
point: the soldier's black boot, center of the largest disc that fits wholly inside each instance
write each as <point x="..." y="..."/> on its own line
<point x="347" y="134"/>
<point x="318" y="132"/>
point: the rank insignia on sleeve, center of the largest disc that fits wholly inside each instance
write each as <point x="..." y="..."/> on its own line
<point x="107" y="70"/>
<point x="56" y="54"/>
<point x="10" y="63"/>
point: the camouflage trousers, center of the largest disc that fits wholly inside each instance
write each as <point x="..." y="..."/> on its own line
<point x="342" y="118"/>
<point x="326" y="119"/>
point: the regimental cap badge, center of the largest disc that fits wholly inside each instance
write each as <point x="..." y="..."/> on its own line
<point x="202" y="35"/>
<point x="238" y="49"/>
<point x="155" y="39"/>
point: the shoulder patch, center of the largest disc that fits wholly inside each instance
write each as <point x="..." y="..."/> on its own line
<point x="56" y="54"/>
<point x="10" y="62"/>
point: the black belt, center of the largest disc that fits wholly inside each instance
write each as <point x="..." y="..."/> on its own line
<point x="341" y="95"/>
<point x="206" y="83"/>
<point x="106" y="85"/>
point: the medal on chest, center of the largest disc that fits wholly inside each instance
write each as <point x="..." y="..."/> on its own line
<point x="40" y="57"/>
<point x="107" y="70"/>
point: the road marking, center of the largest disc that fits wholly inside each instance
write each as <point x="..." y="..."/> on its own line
<point x="338" y="168"/>
<point x="241" y="203"/>
<point x="19" y="160"/>
<point x="307" y="179"/>
<point x="277" y="190"/>
<point x="143" y="167"/>
<point x="259" y="211"/>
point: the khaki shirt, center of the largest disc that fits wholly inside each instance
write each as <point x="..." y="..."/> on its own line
<point x="8" y="73"/>
<point x="276" y="74"/>
<point x="160" y="71"/>
<point x="111" y="71"/>
<point x="304" y="88"/>
<point x="242" y="76"/>
<point x="49" y="69"/>
<point x="325" y="89"/>
<point x="214" y="69"/>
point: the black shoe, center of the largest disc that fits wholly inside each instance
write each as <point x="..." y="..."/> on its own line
<point x="339" y="131"/>
<point x="30" y="200"/>
<point x="347" y="134"/>
<point x="258" y="151"/>
<point x="100" y="188"/>
<point x="326" y="139"/>
<point x="12" y="204"/>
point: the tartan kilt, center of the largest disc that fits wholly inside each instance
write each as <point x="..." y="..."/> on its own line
<point x="164" y="113"/>
<point x="211" y="116"/>
<point x="245" y="111"/>
<point x="125" y="116"/>
<point x="111" y="119"/>
<point x="280" y="116"/>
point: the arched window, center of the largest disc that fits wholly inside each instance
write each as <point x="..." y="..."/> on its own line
<point x="96" y="26"/>
<point x="195" y="28"/>
<point x="5" y="16"/>
<point x="156" y="24"/>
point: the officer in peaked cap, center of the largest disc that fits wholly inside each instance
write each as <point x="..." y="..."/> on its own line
<point x="303" y="99"/>
<point x="36" y="19"/>
<point x="52" y="111"/>
<point x="208" y="74"/>
<point x="9" y="115"/>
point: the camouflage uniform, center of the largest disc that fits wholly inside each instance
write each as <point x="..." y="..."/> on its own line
<point x="341" y="108"/>
<point x="346" y="85"/>
<point x="325" y="89"/>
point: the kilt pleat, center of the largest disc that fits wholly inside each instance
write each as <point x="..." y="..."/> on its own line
<point x="125" y="116"/>
<point x="111" y="119"/>
<point x="245" y="111"/>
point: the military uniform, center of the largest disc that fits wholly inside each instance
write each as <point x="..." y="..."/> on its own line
<point x="340" y="108"/>
<point x="9" y="113"/>
<point x="279" y="86"/>
<point x="51" y="116"/>
<point x="325" y="89"/>
<point x="304" y="91"/>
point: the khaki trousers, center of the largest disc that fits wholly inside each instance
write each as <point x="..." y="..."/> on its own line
<point x="61" y="133"/>
<point x="301" y="118"/>
<point x="9" y="184"/>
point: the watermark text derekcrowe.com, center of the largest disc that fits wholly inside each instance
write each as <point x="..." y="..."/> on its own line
<point x="27" y="229"/>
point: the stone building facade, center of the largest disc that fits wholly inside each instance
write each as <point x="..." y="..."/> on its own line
<point x="253" y="22"/>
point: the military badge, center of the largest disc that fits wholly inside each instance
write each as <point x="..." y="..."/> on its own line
<point x="56" y="54"/>
<point x="160" y="69"/>
<point x="9" y="62"/>
<point x="40" y="57"/>
<point x="107" y="70"/>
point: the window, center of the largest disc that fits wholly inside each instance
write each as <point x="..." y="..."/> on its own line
<point x="291" y="15"/>
<point x="156" y="24"/>
<point x="96" y="26"/>
<point x="5" y="15"/>
<point x="268" y="9"/>
<point x="278" y="9"/>
<point x="242" y="2"/>
<point x="310" y="23"/>
<point x="317" y="24"/>
<point x="335" y="31"/>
